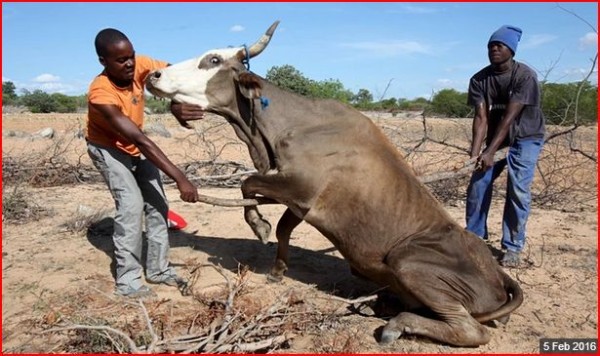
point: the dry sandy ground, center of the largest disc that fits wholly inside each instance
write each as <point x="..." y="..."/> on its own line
<point x="53" y="275"/>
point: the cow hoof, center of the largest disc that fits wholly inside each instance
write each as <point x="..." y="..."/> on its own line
<point x="262" y="230"/>
<point x="504" y="320"/>
<point x="388" y="336"/>
<point x="277" y="272"/>
<point x="271" y="278"/>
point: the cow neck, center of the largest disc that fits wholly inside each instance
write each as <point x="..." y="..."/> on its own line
<point x="257" y="118"/>
<point x="243" y="117"/>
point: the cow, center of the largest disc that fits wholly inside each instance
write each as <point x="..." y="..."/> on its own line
<point x="335" y="169"/>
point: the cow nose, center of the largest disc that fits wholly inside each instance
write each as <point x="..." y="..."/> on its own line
<point x="156" y="75"/>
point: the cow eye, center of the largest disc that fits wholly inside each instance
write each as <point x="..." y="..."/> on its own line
<point x="215" y="60"/>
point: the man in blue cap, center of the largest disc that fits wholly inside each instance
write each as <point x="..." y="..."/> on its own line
<point x="506" y="97"/>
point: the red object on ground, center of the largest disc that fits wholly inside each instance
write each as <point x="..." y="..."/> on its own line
<point x="175" y="221"/>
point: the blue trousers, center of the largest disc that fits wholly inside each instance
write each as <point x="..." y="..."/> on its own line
<point x="521" y="162"/>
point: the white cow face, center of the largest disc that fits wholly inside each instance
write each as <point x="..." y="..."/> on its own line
<point x="187" y="81"/>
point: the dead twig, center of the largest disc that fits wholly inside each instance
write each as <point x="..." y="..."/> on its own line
<point x="152" y="345"/>
<point x="254" y="346"/>
<point x="235" y="202"/>
<point x="132" y="346"/>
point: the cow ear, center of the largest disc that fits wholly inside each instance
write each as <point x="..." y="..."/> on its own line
<point x="249" y="84"/>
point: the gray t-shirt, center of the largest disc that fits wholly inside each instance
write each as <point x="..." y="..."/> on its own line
<point x="519" y="84"/>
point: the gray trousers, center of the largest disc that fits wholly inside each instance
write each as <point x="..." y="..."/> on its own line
<point x="136" y="187"/>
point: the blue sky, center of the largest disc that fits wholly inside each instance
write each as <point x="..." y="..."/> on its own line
<point x="421" y="47"/>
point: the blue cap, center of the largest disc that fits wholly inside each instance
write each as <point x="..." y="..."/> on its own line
<point x="508" y="35"/>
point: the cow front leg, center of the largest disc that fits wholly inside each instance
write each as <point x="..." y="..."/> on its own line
<point x="260" y="226"/>
<point x="278" y="187"/>
<point x="287" y="223"/>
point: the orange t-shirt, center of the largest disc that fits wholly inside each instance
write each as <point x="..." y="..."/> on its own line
<point x="129" y="100"/>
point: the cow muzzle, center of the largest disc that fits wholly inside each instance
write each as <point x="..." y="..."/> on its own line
<point x="152" y="80"/>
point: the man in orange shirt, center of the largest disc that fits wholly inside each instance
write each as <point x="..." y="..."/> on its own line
<point x="129" y="162"/>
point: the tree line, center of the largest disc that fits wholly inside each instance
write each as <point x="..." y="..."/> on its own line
<point x="562" y="103"/>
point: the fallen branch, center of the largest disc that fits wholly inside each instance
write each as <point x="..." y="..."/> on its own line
<point x="367" y="298"/>
<point x="150" y="328"/>
<point x="235" y="202"/>
<point x="132" y="347"/>
<point x="467" y="167"/>
<point x="254" y="346"/>
<point x="223" y="176"/>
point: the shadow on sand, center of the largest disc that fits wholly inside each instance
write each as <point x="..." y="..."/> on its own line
<point x="328" y="273"/>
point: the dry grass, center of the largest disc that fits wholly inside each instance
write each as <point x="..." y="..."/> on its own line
<point x="18" y="207"/>
<point x="238" y="315"/>
<point x="84" y="219"/>
<point x="234" y="316"/>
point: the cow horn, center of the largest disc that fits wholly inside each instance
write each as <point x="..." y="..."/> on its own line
<point x="262" y="43"/>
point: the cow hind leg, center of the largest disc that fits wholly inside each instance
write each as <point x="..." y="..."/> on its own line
<point x="459" y="330"/>
<point x="435" y="290"/>
<point x="285" y="226"/>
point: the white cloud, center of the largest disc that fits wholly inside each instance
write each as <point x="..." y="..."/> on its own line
<point x="414" y="10"/>
<point x="411" y="9"/>
<point x="50" y="84"/>
<point x="51" y="87"/>
<point x="237" y="28"/>
<point x="580" y="73"/>
<point x="460" y="85"/>
<point x="590" y="39"/>
<point x="388" y="48"/>
<point x="46" y="78"/>
<point x="444" y="83"/>
<point x="537" y="40"/>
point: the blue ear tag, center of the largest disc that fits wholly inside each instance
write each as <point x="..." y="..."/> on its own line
<point x="264" y="102"/>
<point x="246" y="61"/>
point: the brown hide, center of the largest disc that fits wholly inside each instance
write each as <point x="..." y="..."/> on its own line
<point x="333" y="168"/>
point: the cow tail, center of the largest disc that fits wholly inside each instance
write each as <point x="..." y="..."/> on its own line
<point x="515" y="295"/>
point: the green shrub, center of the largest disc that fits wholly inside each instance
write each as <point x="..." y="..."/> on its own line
<point x="158" y="106"/>
<point x="39" y="101"/>
<point x="63" y="103"/>
<point x="9" y="94"/>
<point x="558" y="103"/>
<point x="289" y="78"/>
<point x="450" y="103"/>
